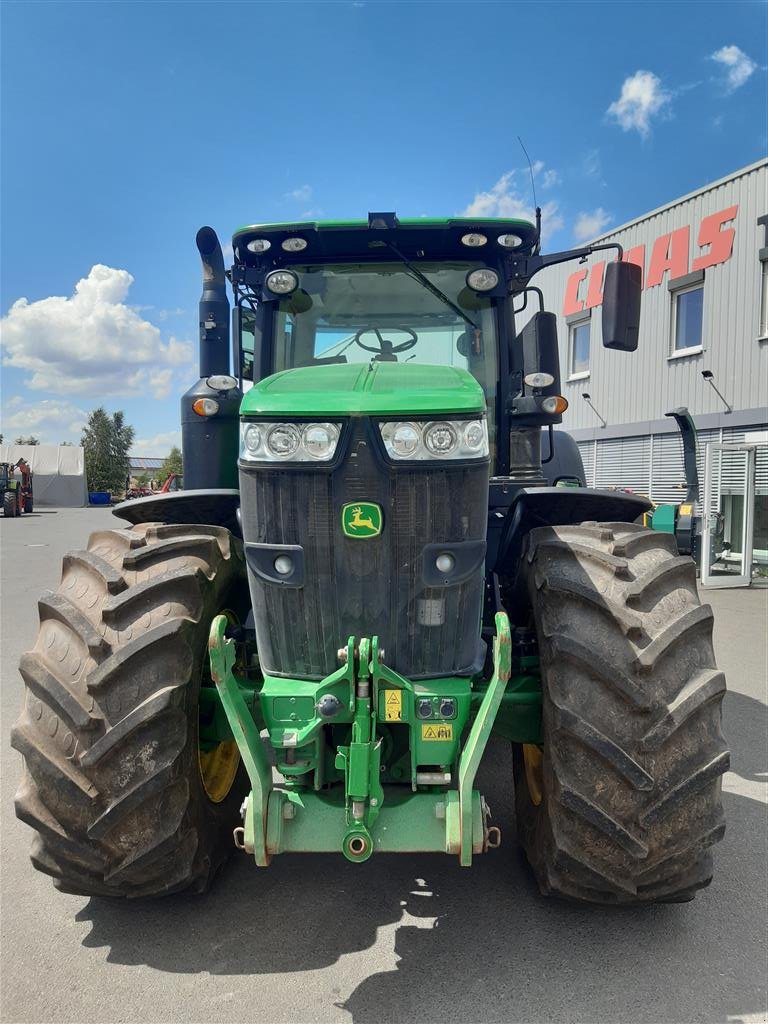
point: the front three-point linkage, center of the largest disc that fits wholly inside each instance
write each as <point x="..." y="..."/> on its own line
<point x="302" y="820"/>
<point x="361" y="763"/>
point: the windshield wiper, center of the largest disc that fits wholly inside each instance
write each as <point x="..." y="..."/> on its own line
<point x="424" y="280"/>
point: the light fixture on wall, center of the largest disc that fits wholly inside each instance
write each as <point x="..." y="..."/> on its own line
<point x="588" y="400"/>
<point x="709" y="377"/>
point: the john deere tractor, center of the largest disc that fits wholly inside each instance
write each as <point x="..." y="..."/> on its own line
<point x="374" y="567"/>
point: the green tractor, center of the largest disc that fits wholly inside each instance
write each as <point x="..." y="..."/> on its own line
<point x="373" y="569"/>
<point x="16" y="494"/>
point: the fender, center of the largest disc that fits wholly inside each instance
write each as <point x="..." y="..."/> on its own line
<point x="218" y="506"/>
<point x="553" y="506"/>
<point x="560" y="506"/>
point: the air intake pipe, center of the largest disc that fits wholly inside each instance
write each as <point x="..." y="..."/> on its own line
<point x="209" y="441"/>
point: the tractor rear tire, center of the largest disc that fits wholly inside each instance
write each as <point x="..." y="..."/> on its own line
<point x="626" y="801"/>
<point x="9" y="504"/>
<point x="112" y="782"/>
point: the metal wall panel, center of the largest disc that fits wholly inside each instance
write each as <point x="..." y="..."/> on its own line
<point x="587" y="450"/>
<point x="630" y="388"/>
<point x="624" y="462"/>
<point x="668" y="484"/>
<point x="761" y="457"/>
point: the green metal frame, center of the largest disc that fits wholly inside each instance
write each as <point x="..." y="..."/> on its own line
<point x="481" y="731"/>
<point x="222" y="656"/>
<point x="363" y="814"/>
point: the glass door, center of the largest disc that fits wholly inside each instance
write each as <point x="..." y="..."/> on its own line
<point x="728" y="514"/>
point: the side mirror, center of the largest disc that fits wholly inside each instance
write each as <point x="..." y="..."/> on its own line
<point x="540" y="351"/>
<point x="621" y="306"/>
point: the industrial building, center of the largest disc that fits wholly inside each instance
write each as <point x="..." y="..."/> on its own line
<point x="703" y="344"/>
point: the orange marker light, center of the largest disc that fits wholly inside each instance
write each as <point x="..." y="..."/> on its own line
<point x="554" y="404"/>
<point x="205" y="406"/>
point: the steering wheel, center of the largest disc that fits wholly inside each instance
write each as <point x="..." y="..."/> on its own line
<point x="387" y="349"/>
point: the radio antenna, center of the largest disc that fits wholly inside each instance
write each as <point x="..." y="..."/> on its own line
<point x="533" y="189"/>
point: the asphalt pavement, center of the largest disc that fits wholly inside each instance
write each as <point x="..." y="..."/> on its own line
<point x="406" y="939"/>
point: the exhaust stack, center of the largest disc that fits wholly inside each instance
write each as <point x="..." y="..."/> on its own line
<point x="214" y="306"/>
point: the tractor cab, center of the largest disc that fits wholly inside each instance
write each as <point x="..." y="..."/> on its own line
<point x="426" y="292"/>
<point x="419" y="292"/>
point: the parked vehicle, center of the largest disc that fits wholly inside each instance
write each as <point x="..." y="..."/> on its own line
<point x="17" y="495"/>
<point x="372" y="563"/>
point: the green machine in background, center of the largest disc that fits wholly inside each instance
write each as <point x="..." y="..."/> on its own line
<point x="681" y="520"/>
<point x="371" y="572"/>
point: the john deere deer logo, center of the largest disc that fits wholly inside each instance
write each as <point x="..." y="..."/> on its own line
<point x="361" y="519"/>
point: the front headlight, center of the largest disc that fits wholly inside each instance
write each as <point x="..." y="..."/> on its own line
<point x="440" y="439"/>
<point x="288" y="442"/>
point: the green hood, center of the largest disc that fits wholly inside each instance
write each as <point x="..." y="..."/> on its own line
<point x="369" y="389"/>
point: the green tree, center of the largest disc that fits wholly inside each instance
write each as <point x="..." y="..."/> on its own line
<point x="107" y="441"/>
<point x="66" y="444"/>
<point x="27" y="440"/>
<point x="173" y="464"/>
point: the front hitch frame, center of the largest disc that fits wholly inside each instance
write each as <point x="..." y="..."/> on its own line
<point x="276" y="820"/>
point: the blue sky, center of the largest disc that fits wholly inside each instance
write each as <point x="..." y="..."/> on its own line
<point x="126" y="126"/>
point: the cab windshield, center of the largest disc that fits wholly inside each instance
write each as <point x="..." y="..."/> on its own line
<point x="355" y="313"/>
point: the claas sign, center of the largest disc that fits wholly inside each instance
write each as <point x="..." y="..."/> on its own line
<point x="670" y="254"/>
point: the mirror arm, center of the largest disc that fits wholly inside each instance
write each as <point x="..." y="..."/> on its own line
<point x="534" y="264"/>
<point x="610" y="245"/>
<point x="524" y="293"/>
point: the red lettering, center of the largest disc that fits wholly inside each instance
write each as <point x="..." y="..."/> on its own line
<point x="572" y="303"/>
<point x="595" y="289"/>
<point x="636" y="256"/>
<point x="720" y="242"/>
<point x="670" y="253"/>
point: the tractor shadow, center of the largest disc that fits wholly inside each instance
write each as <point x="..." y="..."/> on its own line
<point x="480" y="945"/>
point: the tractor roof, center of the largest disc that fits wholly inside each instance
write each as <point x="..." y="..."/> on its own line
<point x="351" y="239"/>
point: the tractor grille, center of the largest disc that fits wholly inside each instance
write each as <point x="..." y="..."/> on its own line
<point x="356" y="587"/>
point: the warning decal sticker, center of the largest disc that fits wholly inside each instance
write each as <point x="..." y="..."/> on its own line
<point x="437" y="733"/>
<point x="393" y="705"/>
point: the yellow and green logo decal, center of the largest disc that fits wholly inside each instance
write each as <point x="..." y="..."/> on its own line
<point x="361" y="519"/>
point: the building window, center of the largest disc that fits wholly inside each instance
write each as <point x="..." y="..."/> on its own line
<point x="688" y="319"/>
<point x="578" y="350"/>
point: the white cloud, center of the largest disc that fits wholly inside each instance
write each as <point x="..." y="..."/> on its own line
<point x="503" y="200"/>
<point x="91" y="343"/>
<point x="50" y="420"/>
<point x="550" y="178"/>
<point x="302" y="194"/>
<point x="311" y="214"/>
<point x="591" y="164"/>
<point x="642" y="98"/>
<point x="739" y="67"/>
<point x="589" y="225"/>
<point x="166" y="314"/>
<point x="157" y="447"/>
<point x="160" y="383"/>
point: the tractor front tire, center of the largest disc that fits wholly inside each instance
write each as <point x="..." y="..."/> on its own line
<point x="112" y="779"/>
<point x="29" y="505"/>
<point x="622" y="802"/>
